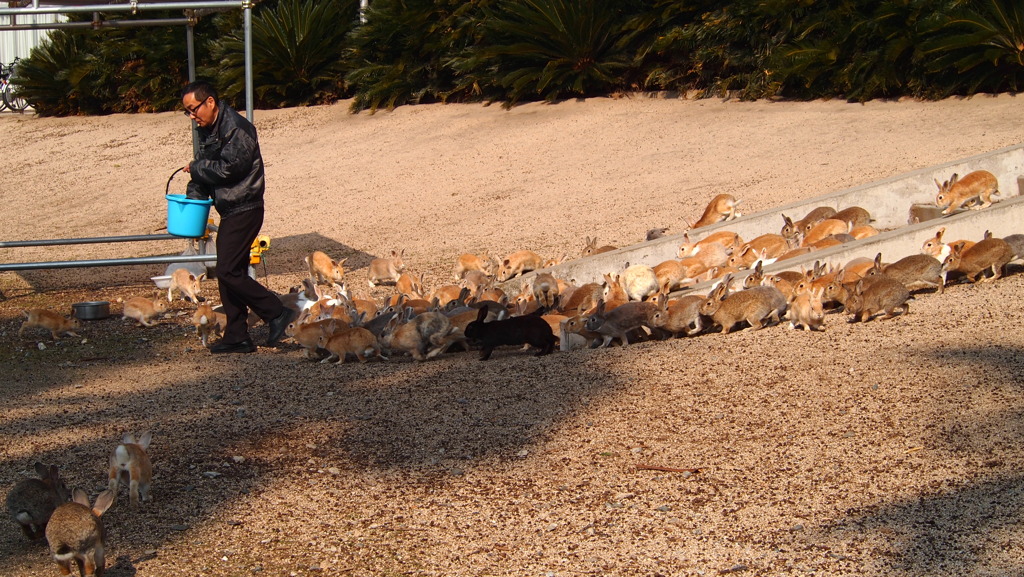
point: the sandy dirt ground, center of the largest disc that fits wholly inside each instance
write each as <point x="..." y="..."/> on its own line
<point x="874" y="449"/>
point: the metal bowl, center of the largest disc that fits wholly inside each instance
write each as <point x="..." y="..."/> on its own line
<point x="161" y="281"/>
<point x="91" y="310"/>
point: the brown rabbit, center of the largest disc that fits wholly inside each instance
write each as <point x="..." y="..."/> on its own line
<point x="386" y="270"/>
<point x="619" y="322"/>
<point x="720" y="209"/>
<point x="977" y="186"/>
<point x="546" y="290"/>
<point x="517" y="263"/>
<point x="31" y="502"/>
<point x="989" y="254"/>
<point x="591" y="248"/>
<point x="583" y="298"/>
<point x="187" y="284"/>
<point x="324" y="269"/>
<point x="793" y="230"/>
<point x="356" y="341"/>
<point x="130" y="461"/>
<point x="410" y="285"/>
<point x="916" y="272"/>
<point x="935" y="246"/>
<point x="576" y="325"/>
<point x="876" y="294"/>
<point x="824" y="229"/>
<point x="76" y="534"/>
<point x="208" y="322"/>
<point x="863" y="231"/>
<point x="923" y="212"/>
<point x="672" y="275"/>
<point x="754" y="305"/>
<point x="680" y="316"/>
<point x="143" y="310"/>
<point x="470" y="262"/>
<point x="424" y="336"/>
<point x="854" y="216"/>
<point x="55" y="323"/>
<point x="730" y="240"/>
<point x="806" y="310"/>
<point x="307" y="335"/>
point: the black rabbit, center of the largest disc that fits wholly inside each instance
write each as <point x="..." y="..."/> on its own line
<point x="519" y="330"/>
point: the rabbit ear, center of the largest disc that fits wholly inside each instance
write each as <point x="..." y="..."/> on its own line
<point x="145" y="439"/>
<point x="79" y="496"/>
<point x="103" y="502"/>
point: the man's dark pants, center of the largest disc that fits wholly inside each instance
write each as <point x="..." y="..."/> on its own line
<point x="238" y="291"/>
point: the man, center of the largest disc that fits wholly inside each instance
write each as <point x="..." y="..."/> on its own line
<point x="229" y="169"/>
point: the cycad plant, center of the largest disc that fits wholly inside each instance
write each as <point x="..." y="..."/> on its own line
<point x="297" y="51"/>
<point x="551" y="49"/>
<point x="402" y="54"/>
<point x="979" y="46"/>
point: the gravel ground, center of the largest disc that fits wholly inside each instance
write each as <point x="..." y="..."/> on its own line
<point x="872" y="449"/>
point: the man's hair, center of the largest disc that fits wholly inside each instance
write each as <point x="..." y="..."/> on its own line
<point x="200" y="89"/>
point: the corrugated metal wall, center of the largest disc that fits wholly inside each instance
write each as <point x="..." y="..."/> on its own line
<point x="20" y="42"/>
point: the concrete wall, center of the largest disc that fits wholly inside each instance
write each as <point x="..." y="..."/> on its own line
<point x="888" y="201"/>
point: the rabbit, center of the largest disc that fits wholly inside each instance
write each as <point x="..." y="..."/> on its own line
<point x="613" y="292"/>
<point x="307" y="335"/>
<point x="592" y="248"/>
<point x="854" y="216"/>
<point x="517" y="263"/>
<point x="183" y="281"/>
<point x="720" y="209"/>
<point x="680" y="316"/>
<point x="935" y="247"/>
<point x="673" y="275"/>
<point x="130" y="461"/>
<point x="76" y="534"/>
<point x="655" y="233"/>
<point x="574" y="327"/>
<point x="617" y="323"/>
<point x="879" y="293"/>
<point x="475" y="280"/>
<point x="793" y="230"/>
<point x="754" y="305"/>
<point x="766" y="247"/>
<point x="56" y="323"/>
<point x="980" y="185"/>
<point x="143" y="310"/>
<point x="31" y="502"/>
<point x="583" y="298"/>
<point x="730" y="240"/>
<point x="825" y="228"/>
<point x="639" y="282"/>
<point x="527" y="329"/>
<point x="546" y="290"/>
<point x="424" y="336"/>
<point x="1016" y="242"/>
<point x="324" y="269"/>
<point x="386" y="270"/>
<point x="923" y="212"/>
<point x="450" y="293"/>
<point x="806" y="310"/>
<point x="709" y="254"/>
<point x="410" y="285"/>
<point x="467" y="262"/>
<point x="862" y="231"/>
<point x="988" y="254"/>
<point x="208" y="322"/>
<point x="356" y="341"/>
<point x="916" y="272"/>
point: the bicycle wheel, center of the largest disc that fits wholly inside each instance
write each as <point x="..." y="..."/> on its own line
<point x="12" y="100"/>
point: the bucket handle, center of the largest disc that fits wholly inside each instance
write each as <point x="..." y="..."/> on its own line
<point x="167" y="189"/>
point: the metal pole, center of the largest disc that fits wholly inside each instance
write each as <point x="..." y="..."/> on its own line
<point x="247" y="11"/>
<point x="108" y="262"/>
<point x="94" y="240"/>
<point x="132" y="7"/>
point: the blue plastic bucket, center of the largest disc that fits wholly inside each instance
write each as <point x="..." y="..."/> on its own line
<point x="187" y="217"/>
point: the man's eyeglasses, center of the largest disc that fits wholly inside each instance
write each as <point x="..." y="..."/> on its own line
<point x="195" y="110"/>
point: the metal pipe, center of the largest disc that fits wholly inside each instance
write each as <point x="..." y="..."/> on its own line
<point x="96" y="24"/>
<point x="108" y="262"/>
<point x="130" y="7"/>
<point x="93" y="240"/>
<point x="247" y="12"/>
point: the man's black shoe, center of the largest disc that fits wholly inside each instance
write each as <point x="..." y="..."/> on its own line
<point x="245" y="346"/>
<point x="278" y="325"/>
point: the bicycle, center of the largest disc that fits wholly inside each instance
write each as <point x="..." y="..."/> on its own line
<point x="8" y="93"/>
